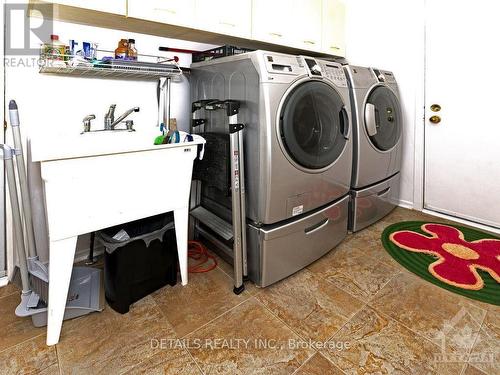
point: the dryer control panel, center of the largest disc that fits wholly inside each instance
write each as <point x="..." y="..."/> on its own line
<point x="384" y="76"/>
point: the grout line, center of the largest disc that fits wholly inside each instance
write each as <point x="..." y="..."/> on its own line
<point x="217" y="317"/>
<point x="341" y="288"/>
<point x="303" y="364"/>
<point x="21" y="342"/>
<point x="58" y="361"/>
<point x="206" y="324"/>
<point x="314" y="349"/>
<point x="10" y="294"/>
<point x="411" y="330"/>
<point x="281" y="320"/>
<point x="464" y="364"/>
<point x="163" y="315"/>
<point x="475" y="368"/>
<point x="210" y="321"/>
<point x="334" y="365"/>
<point x="382" y="287"/>
<point x="348" y="318"/>
<point x="347" y="321"/>
<point x="194" y="360"/>
<point x="469" y="352"/>
<point x="370" y="304"/>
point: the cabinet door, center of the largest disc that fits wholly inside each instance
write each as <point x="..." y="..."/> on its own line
<point x="230" y="17"/>
<point x="173" y="12"/>
<point x="306" y="18"/>
<point x="272" y="21"/>
<point x="108" y="6"/>
<point x="333" y="38"/>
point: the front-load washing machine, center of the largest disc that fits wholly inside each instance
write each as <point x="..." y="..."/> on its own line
<point x="298" y="153"/>
<point x="377" y="129"/>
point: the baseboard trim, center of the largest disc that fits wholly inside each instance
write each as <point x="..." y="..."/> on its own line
<point x="406" y="204"/>
<point x="469" y="223"/>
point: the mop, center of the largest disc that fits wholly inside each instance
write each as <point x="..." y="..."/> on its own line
<point x="38" y="272"/>
<point x="85" y="293"/>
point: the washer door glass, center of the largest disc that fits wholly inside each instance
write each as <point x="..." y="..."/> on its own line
<point x="314" y="125"/>
<point x="383" y="118"/>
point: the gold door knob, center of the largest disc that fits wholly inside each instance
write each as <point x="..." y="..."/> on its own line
<point x="435" y="119"/>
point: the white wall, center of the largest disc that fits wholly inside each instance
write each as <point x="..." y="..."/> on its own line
<point x="389" y="34"/>
<point x="56" y="104"/>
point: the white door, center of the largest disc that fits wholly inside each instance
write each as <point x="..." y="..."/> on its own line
<point x="462" y="139"/>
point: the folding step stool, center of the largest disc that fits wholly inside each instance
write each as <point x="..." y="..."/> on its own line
<point x="235" y="231"/>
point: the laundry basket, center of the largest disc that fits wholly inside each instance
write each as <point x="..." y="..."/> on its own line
<point x="140" y="257"/>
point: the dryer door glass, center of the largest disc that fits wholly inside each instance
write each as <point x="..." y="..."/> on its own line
<point x="383" y="118"/>
<point x="313" y="122"/>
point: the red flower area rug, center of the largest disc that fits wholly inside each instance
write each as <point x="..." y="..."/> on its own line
<point x="463" y="260"/>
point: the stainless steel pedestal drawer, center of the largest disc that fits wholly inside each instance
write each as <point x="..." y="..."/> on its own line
<point x="277" y="251"/>
<point x="371" y="204"/>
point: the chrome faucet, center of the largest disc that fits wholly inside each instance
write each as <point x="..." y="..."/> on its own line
<point x="109" y="120"/>
<point x="122" y="117"/>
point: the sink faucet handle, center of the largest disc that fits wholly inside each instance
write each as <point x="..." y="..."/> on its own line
<point x="111" y="112"/>
<point x="86" y="122"/>
<point x="109" y="118"/>
<point x="111" y="109"/>
<point x="130" y="125"/>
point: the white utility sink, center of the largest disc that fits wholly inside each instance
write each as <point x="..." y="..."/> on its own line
<point x="101" y="179"/>
<point x="64" y="146"/>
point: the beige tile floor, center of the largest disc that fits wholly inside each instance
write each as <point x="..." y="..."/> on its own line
<point x="355" y="311"/>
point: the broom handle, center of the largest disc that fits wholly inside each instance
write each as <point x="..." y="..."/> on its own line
<point x="21" y="172"/>
<point x="16" y="217"/>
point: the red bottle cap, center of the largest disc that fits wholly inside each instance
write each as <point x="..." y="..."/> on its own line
<point x="54" y="37"/>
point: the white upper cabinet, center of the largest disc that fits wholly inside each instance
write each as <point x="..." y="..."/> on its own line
<point x="306" y="24"/>
<point x="173" y="12"/>
<point x="272" y="21"/>
<point x="229" y="17"/>
<point x="333" y="35"/>
<point x="313" y="25"/>
<point x="108" y="6"/>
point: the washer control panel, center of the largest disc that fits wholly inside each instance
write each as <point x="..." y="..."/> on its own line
<point x="334" y="72"/>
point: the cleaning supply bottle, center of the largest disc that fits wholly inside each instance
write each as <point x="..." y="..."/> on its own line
<point x="132" y="52"/>
<point x="53" y="50"/>
<point x="121" y="51"/>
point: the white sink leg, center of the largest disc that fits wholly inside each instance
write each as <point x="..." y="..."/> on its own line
<point x="181" y="217"/>
<point x="62" y="254"/>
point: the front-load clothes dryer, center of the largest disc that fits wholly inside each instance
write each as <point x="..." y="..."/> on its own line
<point x="378" y="128"/>
<point x="298" y="154"/>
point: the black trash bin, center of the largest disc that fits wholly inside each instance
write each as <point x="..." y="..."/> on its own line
<point x="140" y="261"/>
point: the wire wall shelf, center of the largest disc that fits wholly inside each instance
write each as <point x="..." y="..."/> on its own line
<point x="120" y="69"/>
